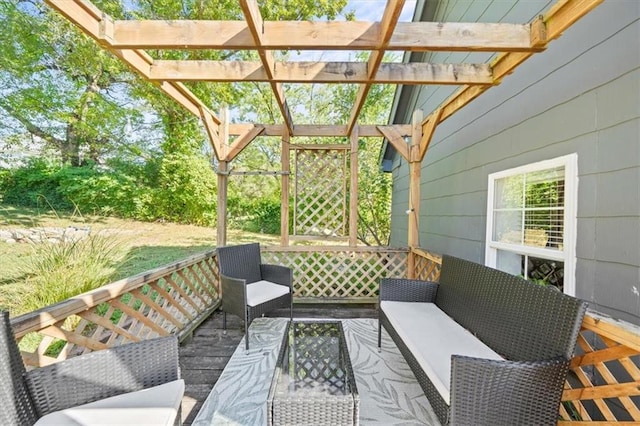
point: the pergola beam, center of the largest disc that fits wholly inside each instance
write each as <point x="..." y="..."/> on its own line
<point x="127" y="39"/>
<point x="310" y="35"/>
<point x="255" y="24"/>
<point x="390" y="18"/>
<point x="320" y="130"/>
<point x="321" y="72"/>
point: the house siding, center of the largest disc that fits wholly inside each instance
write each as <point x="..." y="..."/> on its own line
<point x="581" y="95"/>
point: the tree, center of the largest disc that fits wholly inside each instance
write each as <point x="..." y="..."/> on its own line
<point x="58" y="87"/>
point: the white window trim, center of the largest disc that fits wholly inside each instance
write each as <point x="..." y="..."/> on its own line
<point x="568" y="256"/>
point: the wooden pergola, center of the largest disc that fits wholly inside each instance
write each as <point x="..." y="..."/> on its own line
<point x="514" y="43"/>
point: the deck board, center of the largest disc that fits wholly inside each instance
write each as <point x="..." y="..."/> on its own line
<point x="203" y="358"/>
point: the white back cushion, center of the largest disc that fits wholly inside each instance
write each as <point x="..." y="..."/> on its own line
<point x="432" y="337"/>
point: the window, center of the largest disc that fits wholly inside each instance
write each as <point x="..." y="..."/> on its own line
<point x="531" y="221"/>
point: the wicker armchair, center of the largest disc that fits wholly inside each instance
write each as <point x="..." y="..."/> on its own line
<point x="133" y="384"/>
<point x="250" y="288"/>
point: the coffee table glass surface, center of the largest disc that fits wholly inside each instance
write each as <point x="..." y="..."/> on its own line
<point x="313" y="382"/>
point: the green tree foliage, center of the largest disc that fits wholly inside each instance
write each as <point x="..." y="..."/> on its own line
<point x="57" y="86"/>
<point x="187" y="190"/>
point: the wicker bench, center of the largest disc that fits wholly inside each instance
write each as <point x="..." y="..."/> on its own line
<point x="487" y="347"/>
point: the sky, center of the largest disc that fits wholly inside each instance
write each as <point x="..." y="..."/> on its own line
<point x="371" y="10"/>
<point x="365" y="10"/>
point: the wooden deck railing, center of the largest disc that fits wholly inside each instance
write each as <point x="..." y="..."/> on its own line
<point x="173" y="299"/>
<point x="604" y="384"/>
<point x="604" y="387"/>
<point x="176" y="298"/>
<point x="338" y="274"/>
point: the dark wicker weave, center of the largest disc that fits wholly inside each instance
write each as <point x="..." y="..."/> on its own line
<point x="16" y="407"/>
<point x="241" y="265"/>
<point x="80" y="380"/>
<point x="518" y="319"/>
<point x="534" y="328"/>
<point x="314" y="383"/>
<point x="491" y="392"/>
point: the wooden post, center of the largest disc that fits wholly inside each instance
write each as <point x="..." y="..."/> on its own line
<point x="223" y="180"/>
<point x="284" y="204"/>
<point x="415" y="165"/>
<point x="353" y="189"/>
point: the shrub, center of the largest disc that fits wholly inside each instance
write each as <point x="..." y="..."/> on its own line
<point x="57" y="272"/>
<point x="176" y="187"/>
<point x="186" y="190"/>
<point x="256" y="215"/>
<point x="35" y="185"/>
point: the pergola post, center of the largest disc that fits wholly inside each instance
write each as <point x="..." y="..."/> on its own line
<point x="223" y="180"/>
<point x="353" y="189"/>
<point x="415" y="167"/>
<point x="284" y="204"/>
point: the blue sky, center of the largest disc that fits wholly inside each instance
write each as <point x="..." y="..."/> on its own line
<point x="365" y="10"/>
<point x="371" y="10"/>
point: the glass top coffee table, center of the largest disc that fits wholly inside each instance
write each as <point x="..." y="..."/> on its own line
<point x="313" y="383"/>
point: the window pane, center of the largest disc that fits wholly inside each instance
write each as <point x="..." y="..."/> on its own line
<point x="509" y="262"/>
<point x="544" y="228"/>
<point x="546" y="272"/>
<point x="507" y="227"/>
<point x="541" y="271"/>
<point x="545" y="188"/>
<point x="508" y="192"/>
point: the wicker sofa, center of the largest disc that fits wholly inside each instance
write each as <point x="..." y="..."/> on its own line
<point x="487" y="347"/>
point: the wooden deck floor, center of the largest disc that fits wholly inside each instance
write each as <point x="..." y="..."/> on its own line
<point x="203" y="358"/>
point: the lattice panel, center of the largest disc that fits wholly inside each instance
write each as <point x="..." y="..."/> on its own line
<point x="320" y="193"/>
<point x="427" y="266"/>
<point x="340" y="274"/>
<point x="159" y="307"/>
<point x="604" y="383"/>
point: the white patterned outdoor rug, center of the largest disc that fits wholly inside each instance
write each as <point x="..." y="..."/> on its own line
<point x="389" y="392"/>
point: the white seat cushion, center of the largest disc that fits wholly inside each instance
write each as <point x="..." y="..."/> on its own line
<point x="432" y="337"/>
<point x="263" y="291"/>
<point x="158" y="405"/>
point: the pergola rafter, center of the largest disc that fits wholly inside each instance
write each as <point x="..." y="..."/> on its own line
<point x="387" y="26"/>
<point x="321" y="72"/>
<point x="514" y="44"/>
<point x="128" y="40"/>
<point x="255" y="23"/>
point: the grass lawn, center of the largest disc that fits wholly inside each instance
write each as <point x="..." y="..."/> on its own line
<point x="146" y="245"/>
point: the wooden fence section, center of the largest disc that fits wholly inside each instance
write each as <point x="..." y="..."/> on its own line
<point x="604" y="383"/>
<point x="338" y="274"/>
<point x="427" y="265"/>
<point x="173" y="299"/>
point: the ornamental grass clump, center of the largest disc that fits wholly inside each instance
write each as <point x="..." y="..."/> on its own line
<point x="56" y="272"/>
